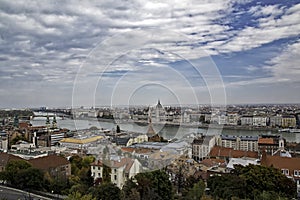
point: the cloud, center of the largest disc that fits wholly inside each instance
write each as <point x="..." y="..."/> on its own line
<point x="61" y="42"/>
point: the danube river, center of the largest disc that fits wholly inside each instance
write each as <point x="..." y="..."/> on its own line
<point x="168" y="132"/>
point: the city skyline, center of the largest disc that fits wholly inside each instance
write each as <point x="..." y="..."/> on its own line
<point x="89" y="53"/>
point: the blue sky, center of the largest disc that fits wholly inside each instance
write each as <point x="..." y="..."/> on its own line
<point x="73" y="53"/>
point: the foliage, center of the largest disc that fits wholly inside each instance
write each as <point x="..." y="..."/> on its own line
<point x="106" y="174"/>
<point x="19" y="173"/>
<point x="253" y="182"/>
<point x="78" y="196"/>
<point x="149" y="185"/>
<point x="81" y="178"/>
<point x="106" y="191"/>
<point x="197" y="191"/>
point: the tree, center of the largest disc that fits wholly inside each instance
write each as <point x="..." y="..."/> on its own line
<point x="252" y="182"/>
<point x="21" y="174"/>
<point x="197" y="191"/>
<point x="150" y="185"/>
<point x="106" y="174"/>
<point x="78" y="196"/>
<point x="106" y="191"/>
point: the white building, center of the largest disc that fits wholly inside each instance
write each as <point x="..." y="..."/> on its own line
<point x="201" y="146"/>
<point x="121" y="170"/>
<point x="259" y="121"/>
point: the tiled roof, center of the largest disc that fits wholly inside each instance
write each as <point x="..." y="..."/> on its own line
<point x="212" y="161"/>
<point x="218" y="151"/>
<point x="281" y="162"/>
<point x="5" y="158"/>
<point x="81" y="141"/>
<point x="127" y="162"/>
<point x="97" y="163"/>
<point x="265" y="141"/>
<point x="47" y="162"/>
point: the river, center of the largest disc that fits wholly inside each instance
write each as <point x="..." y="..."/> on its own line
<point x="168" y="132"/>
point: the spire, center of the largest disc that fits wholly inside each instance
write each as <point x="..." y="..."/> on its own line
<point x="54" y="122"/>
<point x="151" y="131"/>
<point x="47" y="121"/>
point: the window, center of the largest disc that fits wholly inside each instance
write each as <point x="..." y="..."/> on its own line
<point x="99" y="174"/>
<point x="296" y="172"/>
<point x="285" y="171"/>
<point x="115" y="170"/>
<point x="115" y="177"/>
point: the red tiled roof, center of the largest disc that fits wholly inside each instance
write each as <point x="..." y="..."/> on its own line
<point x="218" y="151"/>
<point x="212" y="161"/>
<point x="281" y="162"/>
<point x="265" y="141"/>
<point x="47" y="162"/>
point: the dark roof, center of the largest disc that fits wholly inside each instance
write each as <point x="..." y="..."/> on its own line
<point x="47" y="162"/>
<point x="121" y="141"/>
<point x="5" y="158"/>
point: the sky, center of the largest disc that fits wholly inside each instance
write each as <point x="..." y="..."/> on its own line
<point x="58" y="53"/>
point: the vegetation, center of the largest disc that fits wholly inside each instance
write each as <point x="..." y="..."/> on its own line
<point x="21" y="174"/>
<point x="252" y="182"/>
<point x="149" y="185"/>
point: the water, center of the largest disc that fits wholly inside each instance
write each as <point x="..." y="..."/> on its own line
<point x="168" y="132"/>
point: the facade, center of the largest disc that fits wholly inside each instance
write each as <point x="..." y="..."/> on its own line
<point x="232" y="119"/>
<point x="288" y="121"/>
<point x="276" y="121"/>
<point x="56" y="166"/>
<point x="121" y="170"/>
<point x="5" y="158"/>
<point x="201" y="147"/>
<point x="247" y="120"/>
<point x="243" y="143"/>
<point x="259" y="121"/>
<point x="270" y="143"/>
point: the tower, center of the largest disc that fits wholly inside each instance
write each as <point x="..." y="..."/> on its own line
<point x="48" y="122"/>
<point x="54" y="122"/>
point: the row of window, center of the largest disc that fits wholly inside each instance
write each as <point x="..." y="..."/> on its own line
<point x="286" y="172"/>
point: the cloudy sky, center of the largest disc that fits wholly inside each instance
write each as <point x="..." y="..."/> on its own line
<point x="121" y="52"/>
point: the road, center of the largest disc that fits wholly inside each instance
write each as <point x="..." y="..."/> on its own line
<point x="14" y="194"/>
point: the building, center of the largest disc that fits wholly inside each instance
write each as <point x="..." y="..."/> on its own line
<point x="243" y="143"/>
<point x="158" y="113"/>
<point x="79" y="142"/>
<point x="247" y="120"/>
<point x="121" y="170"/>
<point x="201" y="147"/>
<point x="276" y="121"/>
<point x="259" y="121"/>
<point x="56" y="166"/>
<point x="232" y="119"/>
<point x="288" y="166"/>
<point x="270" y="143"/>
<point x="288" y="121"/>
<point x="241" y="161"/>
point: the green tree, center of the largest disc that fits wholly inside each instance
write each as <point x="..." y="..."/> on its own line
<point x="150" y="185"/>
<point x="106" y="191"/>
<point x="21" y="174"/>
<point x="78" y="196"/>
<point x="106" y="174"/>
<point x="197" y="191"/>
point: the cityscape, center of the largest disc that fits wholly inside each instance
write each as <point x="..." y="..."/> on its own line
<point x="150" y="100"/>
